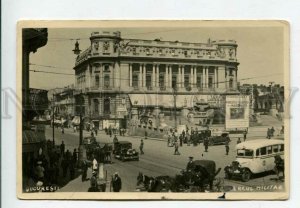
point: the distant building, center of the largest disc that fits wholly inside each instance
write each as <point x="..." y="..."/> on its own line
<point x="118" y="77"/>
<point x="63" y="100"/>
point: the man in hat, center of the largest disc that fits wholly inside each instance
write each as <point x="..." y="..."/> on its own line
<point x="190" y="166"/>
<point x="62" y="148"/>
<point x="116" y="182"/>
<point x="142" y="147"/>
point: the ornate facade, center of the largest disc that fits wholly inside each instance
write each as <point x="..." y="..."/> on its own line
<point x="115" y="74"/>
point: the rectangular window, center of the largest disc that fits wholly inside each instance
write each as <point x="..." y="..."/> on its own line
<point x="174" y="81"/>
<point x="210" y="82"/>
<point x="135" y="80"/>
<point x="97" y="81"/>
<point x="275" y="148"/>
<point x="148" y="80"/>
<point x="263" y="151"/>
<point x="281" y="148"/>
<point x="269" y="149"/>
<point x="186" y="81"/>
<point x="106" y="81"/>
<point x="199" y="84"/>
<point x="161" y="80"/>
<point x="96" y="105"/>
<point x="257" y="152"/>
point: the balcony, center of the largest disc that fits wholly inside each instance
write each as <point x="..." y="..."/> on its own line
<point x="107" y="87"/>
<point x="149" y="88"/>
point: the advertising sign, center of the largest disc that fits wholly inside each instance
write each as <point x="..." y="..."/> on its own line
<point x="237" y="111"/>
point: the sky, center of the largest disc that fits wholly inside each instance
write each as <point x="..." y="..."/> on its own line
<point x="259" y="52"/>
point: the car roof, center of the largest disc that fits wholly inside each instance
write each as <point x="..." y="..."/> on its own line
<point x="258" y="143"/>
<point x="124" y="142"/>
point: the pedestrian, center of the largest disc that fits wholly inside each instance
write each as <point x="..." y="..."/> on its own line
<point x="116" y="182"/>
<point x="96" y="131"/>
<point x="176" y="145"/>
<point x="245" y="135"/>
<point x="62" y="148"/>
<point x="64" y="165"/>
<point x="84" y="171"/>
<point x="115" y="139"/>
<point x="146" y="134"/>
<point x="190" y="166"/>
<point x="169" y="140"/>
<point x="62" y="129"/>
<point x="142" y="147"/>
<point x="239" y="140"/>
<point x="269" y="133"/>
<point x="205" y="143"/>
<point x="68" y="156"/>
<point x="106" y="132"/>
<point x="180" y="140"/>
<point x="95" y="164"/>
<point x="93" y="182"/>
<point x="227" y="146"/>
<point x="74" y="156"/>
<point x="40" y="171"/>
<point x="72" y="170"/>
<point x="188" y="138"/>
<point x="272" y="131"/>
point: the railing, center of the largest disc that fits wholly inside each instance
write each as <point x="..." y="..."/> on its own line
<point x="162" y="88"/>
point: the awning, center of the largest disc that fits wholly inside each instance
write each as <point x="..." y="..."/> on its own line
<point x="166" y="101"/>
<point x="30" y="137"/>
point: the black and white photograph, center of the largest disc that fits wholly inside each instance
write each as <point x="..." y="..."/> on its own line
<point x="188" y="110"/>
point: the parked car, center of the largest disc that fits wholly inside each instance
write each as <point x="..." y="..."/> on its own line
<point x="255" y="156"/>
<point x="123" y="151"/>
<point x="220" y="138"/>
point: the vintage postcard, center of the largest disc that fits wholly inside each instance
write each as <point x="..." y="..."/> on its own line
<point x="150" y="110"/>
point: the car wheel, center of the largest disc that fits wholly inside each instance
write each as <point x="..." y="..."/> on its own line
<point x="123" y="159"/>
<point x="246" y="175"/>
<point x="137" y="159"/>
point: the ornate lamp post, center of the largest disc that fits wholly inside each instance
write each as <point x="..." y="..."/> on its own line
<point x="175" y="110"/>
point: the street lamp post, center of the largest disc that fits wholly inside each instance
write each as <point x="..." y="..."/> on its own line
<point x="81" y="150"/>
<point x="175" y="110"/>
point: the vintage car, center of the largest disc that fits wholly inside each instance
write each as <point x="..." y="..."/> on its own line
<point x="123" y="151"/>
<point x="89" y="140"/>
<point x="255" y="156"/>
<point x="220" y="138"/>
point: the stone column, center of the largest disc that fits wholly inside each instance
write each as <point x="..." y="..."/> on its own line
<point x="182" y="76"/>
<point x="130" y="75"/>
<point x="203" y="77"/>
<point x="101" y="78"/>
<point x="170" y="76"/>
<point x="195" y="77"/>
<point x="140" y="77"/>
<point x="157" y="75"/>
<point x="144" y="75"/>
<point x="206" y="69"/>
<point x="167" y="77"/>
<point x="153" y="76"/>
<point x="192" y="77"/>
<point x="216" y="77"/>
<point x="179" y="77"/>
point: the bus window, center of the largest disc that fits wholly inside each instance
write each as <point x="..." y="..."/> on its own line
<point x="269" y="149"/>
<point x="281" y="148"/>
<point x="275" y="148"/>
<point x="263" y="151"/>
<point x="257" y="152"/>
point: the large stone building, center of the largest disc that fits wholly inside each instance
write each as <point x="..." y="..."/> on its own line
<point x="116" y="76"/>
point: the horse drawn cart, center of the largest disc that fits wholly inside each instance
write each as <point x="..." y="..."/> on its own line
<point x="200" y="178"/>
<point x="101" y="151"/>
